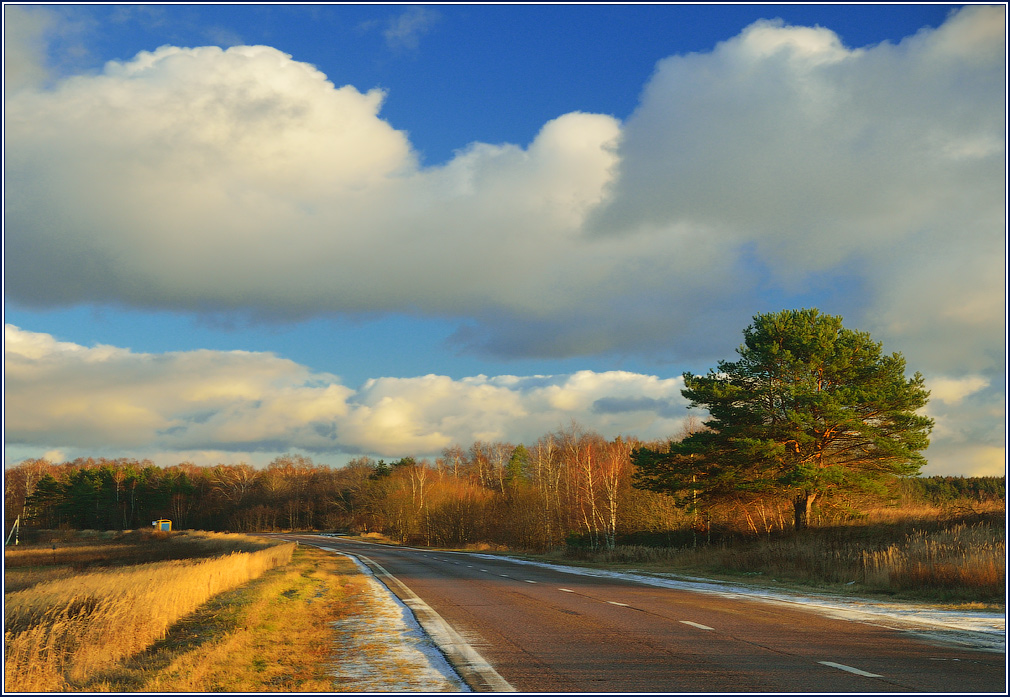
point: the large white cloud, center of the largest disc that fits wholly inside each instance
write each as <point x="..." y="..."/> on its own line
<point x="779" y="165"/>
<point x="242" y="179"/>
<point x="206" y="180"/>
<point x="68" y="395"/>
<point x="212" y="406"/>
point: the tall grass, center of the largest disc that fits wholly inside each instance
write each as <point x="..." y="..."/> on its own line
<point x="317" y="624"/>
<point x="64" y="629"/>
<point x="925" y="558"/>
<point x="961" y="559"/>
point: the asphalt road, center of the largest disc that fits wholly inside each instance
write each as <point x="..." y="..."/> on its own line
<point x="542" y="630"/>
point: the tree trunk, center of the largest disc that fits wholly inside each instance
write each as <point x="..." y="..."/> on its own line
<point x="801" y="508"/>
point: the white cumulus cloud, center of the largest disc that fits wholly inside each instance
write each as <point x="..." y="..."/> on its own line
<point x="779" y="164"/>
<point x="193" y="405"/>
<point x="953" y="390"/>
<point x="69" y="397"/>
<point x="203" y="179"/>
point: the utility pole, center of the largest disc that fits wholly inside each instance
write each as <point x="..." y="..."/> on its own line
<point x="14" y="532"/>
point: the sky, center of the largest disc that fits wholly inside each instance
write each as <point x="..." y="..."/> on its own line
<point x="237" y="231"/>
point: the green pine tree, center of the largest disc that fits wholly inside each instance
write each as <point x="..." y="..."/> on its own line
<point x="809" y="410"/>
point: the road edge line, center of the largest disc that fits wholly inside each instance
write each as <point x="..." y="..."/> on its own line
<point x="470" y="665"/>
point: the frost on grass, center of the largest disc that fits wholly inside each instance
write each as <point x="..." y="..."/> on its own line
<point x="383" y="649"/>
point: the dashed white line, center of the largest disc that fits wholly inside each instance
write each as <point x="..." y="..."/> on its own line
<point x="697" y="626"/>
<point x="566" y="590"/>
<point x="614" y="602"/>
<point x="528" y="581"/>
<point x="850" y="669"/>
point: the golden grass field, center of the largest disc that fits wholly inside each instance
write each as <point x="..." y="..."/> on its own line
<point x="62" y="625"/>
<point x="244" y="614"/>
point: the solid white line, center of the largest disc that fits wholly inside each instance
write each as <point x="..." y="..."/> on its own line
<point x="566" y="590"/>
<point x="464" y="658"/>
<point x="850" y="669"/>
<point x="699" y="626"/>
<point x="614" y="602"/>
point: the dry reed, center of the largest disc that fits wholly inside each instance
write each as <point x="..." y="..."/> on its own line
<point x="962" y="557"/>
<point x="64" y="629"/>
<point x="933" y="560"/>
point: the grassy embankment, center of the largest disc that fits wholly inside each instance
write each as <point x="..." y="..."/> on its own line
<point x="126" y="625"/>
<point x="929" y="554"/>
<point x="66" y="619"/>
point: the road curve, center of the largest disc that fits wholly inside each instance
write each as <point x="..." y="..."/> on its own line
<point x="536" y="629"/>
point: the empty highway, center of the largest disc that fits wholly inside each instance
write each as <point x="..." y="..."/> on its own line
<point x="541" y="630"/>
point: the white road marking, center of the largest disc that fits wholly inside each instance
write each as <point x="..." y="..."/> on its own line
<point x="528" y="581"/>
<point x="850" y="669"/>
<point x="504" y="575"/>
<point x="698" y="626"/>
<point x="469" y="664"/>
<point x="566" y="590"/>
<point x="614" y="602"/>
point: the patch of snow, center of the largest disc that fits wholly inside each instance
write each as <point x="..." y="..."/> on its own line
<point x="977" y="630"/>
<point x="410" y="661"/>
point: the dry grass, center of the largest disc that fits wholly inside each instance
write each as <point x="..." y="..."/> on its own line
<point x="61" y="629"/>
<point x="310" y="626"/>
<point x="926" y="554"/>
<point x="960" y="558"/>
<point x="270" y="635"/>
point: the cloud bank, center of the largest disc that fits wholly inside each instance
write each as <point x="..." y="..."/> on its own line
<point x="779" y="169"/>
<point x="214" y="405"/>
<point x="109" y="398"/>
<point x="202" y="179"/>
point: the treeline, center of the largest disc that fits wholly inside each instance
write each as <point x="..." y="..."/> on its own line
<point x="941" y="490"/>
<point x="568" y="484"/>
<point x="570" y="487"/>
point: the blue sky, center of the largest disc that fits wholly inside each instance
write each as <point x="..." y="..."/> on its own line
<point x="386" y="229"/>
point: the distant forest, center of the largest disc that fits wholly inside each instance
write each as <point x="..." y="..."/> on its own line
<point x="570" y="487"/>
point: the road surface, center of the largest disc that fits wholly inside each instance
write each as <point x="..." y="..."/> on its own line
<point x="535" y="629"/>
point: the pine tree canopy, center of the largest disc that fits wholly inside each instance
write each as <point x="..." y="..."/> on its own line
<point x="809" y="410"/>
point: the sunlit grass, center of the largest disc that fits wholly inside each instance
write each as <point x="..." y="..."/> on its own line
<point x="270" y="635"/>
<point x="85" y="549"/>
<point x="960" y="559"/>
<point x="312" y="625"/>
<point x="919" y="554"/>
<point x="61" y="630"/>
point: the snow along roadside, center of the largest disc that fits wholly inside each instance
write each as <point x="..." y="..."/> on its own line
<point x="984" y="631"/>
<point x="410" y="659"/>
